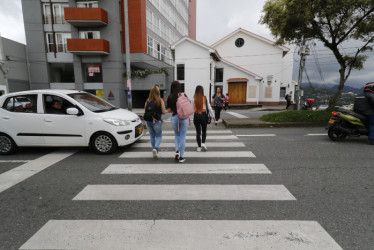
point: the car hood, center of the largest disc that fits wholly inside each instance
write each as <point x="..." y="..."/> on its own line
<point x="122" y="114"/>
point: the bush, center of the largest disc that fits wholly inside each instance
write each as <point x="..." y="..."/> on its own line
<point x="298" y="116"/>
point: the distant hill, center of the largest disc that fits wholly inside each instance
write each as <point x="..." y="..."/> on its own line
<point x="346" y="89"/>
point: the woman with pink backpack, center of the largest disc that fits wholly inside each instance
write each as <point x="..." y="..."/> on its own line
<point x="178" y="122"/>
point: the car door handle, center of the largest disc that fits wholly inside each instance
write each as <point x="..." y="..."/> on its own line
<point x="47" y="120"/>
<point x="5" y="117"/>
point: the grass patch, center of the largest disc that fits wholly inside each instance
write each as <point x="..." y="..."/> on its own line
<point x="298" y="116"/>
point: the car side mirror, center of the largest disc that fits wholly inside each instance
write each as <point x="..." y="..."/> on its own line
<point x="72" y="111"/>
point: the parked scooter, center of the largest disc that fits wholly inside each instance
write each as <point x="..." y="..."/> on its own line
<point x="347" y="123"/>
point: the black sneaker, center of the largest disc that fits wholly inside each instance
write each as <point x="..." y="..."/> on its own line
<point x="182" y="159"/>
<point x="176" y="156"/>
<point x="371" y="141"/>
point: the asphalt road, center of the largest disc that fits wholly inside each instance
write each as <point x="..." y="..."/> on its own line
<point x="332" y="184"/>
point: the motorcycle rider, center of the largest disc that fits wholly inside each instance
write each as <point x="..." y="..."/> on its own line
<point x="369" y="109"/>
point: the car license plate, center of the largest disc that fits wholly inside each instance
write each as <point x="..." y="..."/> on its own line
<point x="331" y="121"/>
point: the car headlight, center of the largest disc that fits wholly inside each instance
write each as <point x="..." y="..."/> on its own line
<point x="117" y="122"/>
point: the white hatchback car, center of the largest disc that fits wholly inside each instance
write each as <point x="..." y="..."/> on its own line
<point x="65" y="118"/>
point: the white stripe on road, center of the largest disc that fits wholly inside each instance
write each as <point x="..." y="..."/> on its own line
<point x="181" y="234"/>
<point x="316" y="134"/>
<point x="211" y="131"/>
<point x="14" y="161"/>
<point x="193" y="137"/>
<point x="185" y="192"/>
<point x="187" y="169"/>
<point x="21" y="173"/>
<point x="237" y="115"/>
<point x="190" y="144"/>
<point x="258" y="135"/>
<point x="187" y="154"/>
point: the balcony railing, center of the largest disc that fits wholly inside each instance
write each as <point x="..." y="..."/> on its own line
<point x="88" y="46"/>
<point x="85" y="17"/>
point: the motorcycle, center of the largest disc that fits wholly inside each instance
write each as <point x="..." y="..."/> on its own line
<point x="347" y="123"/>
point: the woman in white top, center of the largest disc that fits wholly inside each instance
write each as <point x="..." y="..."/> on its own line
<point x="200" y="118"/>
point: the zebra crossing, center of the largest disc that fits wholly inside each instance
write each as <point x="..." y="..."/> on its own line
<point x="183" y="234"/>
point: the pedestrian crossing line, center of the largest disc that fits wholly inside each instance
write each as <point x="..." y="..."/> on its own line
<point x="256" y="135"/>
<point x="28" y="169"/>
<point x="186" y="169"/>
<point x="190" y="154"/>
<point x="316" y="134"/>
<point x="14" y="161"/>
<point x="181" y="234"/>
<point x="185" y="192"/>
<point x="190" y="144"/>
<point x="193" y="137"/>
<point x="237" y="115"/>
<point x="212" y="131"/>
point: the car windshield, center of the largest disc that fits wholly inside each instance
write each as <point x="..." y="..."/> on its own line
<point x="92" y="102"/>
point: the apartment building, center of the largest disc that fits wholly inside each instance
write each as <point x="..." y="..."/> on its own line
<point x="13" y="66"/>
<point x="80" y="44"/>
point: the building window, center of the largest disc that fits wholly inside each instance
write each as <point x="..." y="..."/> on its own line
<point x="239" y="42"/>
<point x="180" y="72"/>
<point x="282" y="92"/>
<point x="88" y="4"/>
<point x="60" y="39"/>
<point x="89" y="34"/>
<point x="93" y="72"/>
<point x="150" y="46"/>
<point x="58" y="13"/>
<point x="61" y="72"/>
<point x="219" y="75"/>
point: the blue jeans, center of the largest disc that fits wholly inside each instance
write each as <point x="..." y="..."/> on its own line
<point x="180" y="136"/>
<point x="371" y="126"/>
<point x="155" y="132"/>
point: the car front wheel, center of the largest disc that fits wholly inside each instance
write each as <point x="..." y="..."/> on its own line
<point x="103" y="143"/>
<point x="7" y="145"/>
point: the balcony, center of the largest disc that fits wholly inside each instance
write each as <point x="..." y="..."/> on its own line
<point x="88" y="46"/>
<point x="86" y="17"/>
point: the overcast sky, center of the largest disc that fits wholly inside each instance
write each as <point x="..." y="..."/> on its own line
<point x="216" y="19"/>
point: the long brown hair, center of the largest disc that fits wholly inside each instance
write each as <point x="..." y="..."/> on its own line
<point x="154" y="96"/>
<point x="199" y="99"/>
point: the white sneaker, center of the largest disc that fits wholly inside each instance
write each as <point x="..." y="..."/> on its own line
<point x="198" y="149"/>
<point x="204" y="148"/>
<point x="154" y="152"/>
<point x="182" y="159"/>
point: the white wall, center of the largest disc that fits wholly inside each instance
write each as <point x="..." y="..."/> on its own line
<point x="260" y="58"/>
<point x="232" y="72"/>
<point x="196" y="60"/>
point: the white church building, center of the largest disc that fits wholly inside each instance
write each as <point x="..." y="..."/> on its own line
<point x="250" y="68"/>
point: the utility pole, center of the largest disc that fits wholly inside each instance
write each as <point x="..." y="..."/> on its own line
<point x="128" y="68"/>
<point x="304" y="51"/>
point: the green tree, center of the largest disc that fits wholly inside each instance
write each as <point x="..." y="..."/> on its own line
<point x="332" y="22"/>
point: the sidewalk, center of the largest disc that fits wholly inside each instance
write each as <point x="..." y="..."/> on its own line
<point x="250" y="122"/>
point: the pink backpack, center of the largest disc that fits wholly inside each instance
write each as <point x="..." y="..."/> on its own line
<point x="184" y="106"/>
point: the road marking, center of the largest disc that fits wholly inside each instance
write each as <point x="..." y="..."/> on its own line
<point x="236" y="114"/>
<point x="211" y="131"/>
<point x="181" y="234"/>
<point x="192" y="137"/>
<point x="255" y="135"/>
<point x="14" y="161"/>
<point x="21" y="173"/>
<point x="187" y="154"/>
<point x="190" y="144"/>
<point x="185" y="192"/>
<point x="186" y="169"/>
<point x="316" y="134"/>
